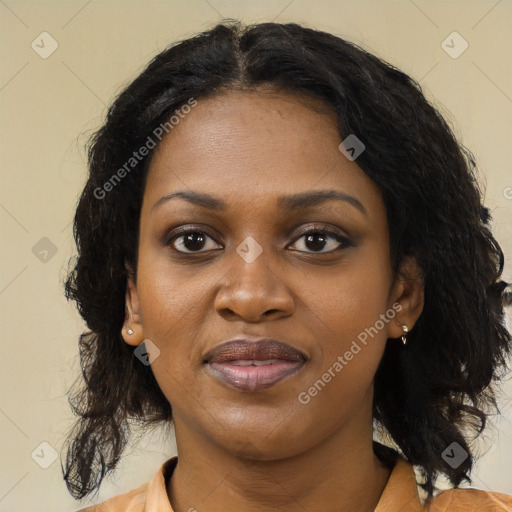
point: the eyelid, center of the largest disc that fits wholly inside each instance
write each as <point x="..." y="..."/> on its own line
<point x="182" y="230"/>
<point x="323" y="227"/>
<point x="344" y="239"/>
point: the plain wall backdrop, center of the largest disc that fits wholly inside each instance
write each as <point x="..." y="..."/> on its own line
<point x="50" y="102"/>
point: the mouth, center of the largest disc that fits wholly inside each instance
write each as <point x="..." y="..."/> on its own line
<point x="253" y="364"/>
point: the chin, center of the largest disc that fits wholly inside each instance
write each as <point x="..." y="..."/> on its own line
<point x="260" y="440"/>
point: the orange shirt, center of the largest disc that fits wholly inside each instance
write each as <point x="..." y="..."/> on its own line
<point x="399" y="495"/>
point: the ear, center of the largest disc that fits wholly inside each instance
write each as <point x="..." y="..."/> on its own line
<point x="408" y="292"/>
<point x="132" y="319"/>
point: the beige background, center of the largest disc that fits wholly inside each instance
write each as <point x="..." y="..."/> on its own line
<point x="47" y="103"/>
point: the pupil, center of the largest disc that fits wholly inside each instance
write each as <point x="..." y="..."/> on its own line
<point x="311" y="237"/>
<point x="193" y="241"/>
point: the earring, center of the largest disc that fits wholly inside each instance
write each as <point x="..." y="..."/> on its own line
<point x="406" y="331"/>
<point x="129" y="331"/>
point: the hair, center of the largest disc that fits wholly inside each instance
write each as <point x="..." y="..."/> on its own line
<point x="435" y="391"/>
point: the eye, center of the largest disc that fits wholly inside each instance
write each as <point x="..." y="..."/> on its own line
<point x="192" y="241"/>
<point x="317" y="239"/>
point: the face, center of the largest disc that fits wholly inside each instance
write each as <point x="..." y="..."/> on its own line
<point x="258" y="254"/>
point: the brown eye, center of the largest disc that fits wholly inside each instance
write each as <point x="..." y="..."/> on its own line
<point x="316" y="240"/>
<point x="192" y="241"/>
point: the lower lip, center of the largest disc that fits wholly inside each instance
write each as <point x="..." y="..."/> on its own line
<point x="254" y="378"/>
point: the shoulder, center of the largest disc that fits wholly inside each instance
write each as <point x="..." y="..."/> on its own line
<point x="151" y="495"/>
<point x="471" y="500"/>
<point x="132" y="501"/>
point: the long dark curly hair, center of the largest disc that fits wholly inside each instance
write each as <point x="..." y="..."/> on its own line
<point x="440" y="389"/>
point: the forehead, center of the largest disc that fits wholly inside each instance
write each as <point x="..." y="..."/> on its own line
<point x="253" y="146"/>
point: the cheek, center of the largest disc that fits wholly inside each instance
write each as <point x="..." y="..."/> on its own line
<point x="353" y="322"/>
<point x="174" y="313"/>
<point x="169" y="303"/>
<point x="351" y="300"/>
<point x="348" y="358"/>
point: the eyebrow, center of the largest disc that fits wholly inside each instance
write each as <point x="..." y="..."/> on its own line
<point x="288" y="203"/>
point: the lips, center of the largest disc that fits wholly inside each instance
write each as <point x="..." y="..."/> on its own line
<point x="253" y="364"/>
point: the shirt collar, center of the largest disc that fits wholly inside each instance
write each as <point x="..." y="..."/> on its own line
<point x="400" y="492"/>
<point x="156" y="497"/>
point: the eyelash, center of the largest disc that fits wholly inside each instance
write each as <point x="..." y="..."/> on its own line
<point x="321" y="230"/>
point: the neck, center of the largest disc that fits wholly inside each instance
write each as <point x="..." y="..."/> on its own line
<point x="341" y="473"/>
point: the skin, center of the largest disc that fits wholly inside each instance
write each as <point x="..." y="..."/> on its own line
<point x="265" y="450"/>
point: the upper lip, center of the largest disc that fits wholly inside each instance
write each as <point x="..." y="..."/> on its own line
<point x="260" y="349"/>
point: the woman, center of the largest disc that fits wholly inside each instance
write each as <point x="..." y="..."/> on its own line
<point x="282" y="248"/>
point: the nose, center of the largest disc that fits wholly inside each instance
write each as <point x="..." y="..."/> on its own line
<point x="253" y="292"/>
